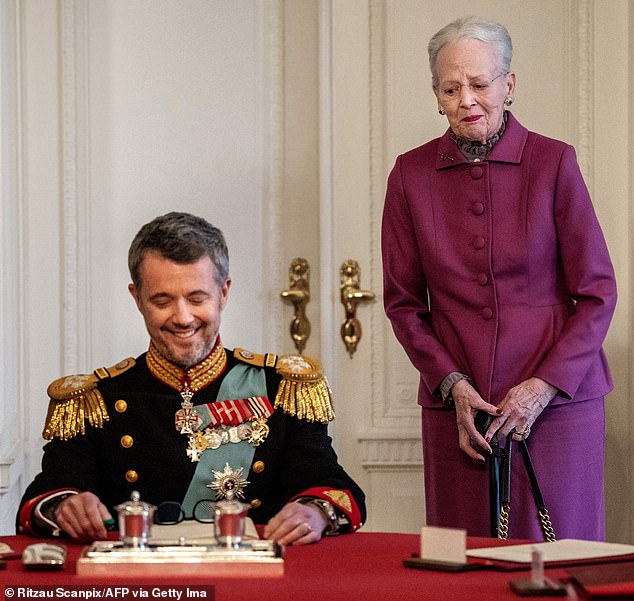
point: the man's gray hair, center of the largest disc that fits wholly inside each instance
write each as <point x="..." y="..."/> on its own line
<point x="472" y="28"/>
<point x="182" y="238"/>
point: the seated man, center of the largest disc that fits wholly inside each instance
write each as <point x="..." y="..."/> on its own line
<point x="190" y="420"/>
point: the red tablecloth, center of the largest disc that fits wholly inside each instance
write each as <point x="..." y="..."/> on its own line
<point x="361" y="566"/>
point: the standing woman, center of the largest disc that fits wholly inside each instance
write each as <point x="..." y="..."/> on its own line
<point x="498" y="284"/>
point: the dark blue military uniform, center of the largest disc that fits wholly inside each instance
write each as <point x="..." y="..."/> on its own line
<point x="133" y="444"/>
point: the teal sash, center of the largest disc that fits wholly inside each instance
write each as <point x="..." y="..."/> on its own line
<point x="241" y="382"/>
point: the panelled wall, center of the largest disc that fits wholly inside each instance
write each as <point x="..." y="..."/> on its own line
<point x="116" y="112"/>
<point x="574" y="70"/>
<point x="279" y="120"/>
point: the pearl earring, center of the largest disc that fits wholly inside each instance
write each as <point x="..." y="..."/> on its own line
<point x="508" y="101"/>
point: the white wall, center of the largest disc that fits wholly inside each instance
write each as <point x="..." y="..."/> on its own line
<point x="11" y="451"/>
<point x="115" y="111"/>
<point x="126" y="110"/>
<point x="574" y="68"/>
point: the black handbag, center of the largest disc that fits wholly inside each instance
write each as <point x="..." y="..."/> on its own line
<point x="499" y="463"/>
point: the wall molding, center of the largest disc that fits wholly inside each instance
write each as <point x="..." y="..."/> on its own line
<point x="385" y="451"/>
<point x="326" y="188"/>
<point x="386" y="410"/>
<point x="11" y="246"/>
<point x="579" y="83"/>
<point x="11" y="465"/>
<point x="585" y="82"/>
<point x="272" y="84"/>
<point x="76" y="222"/>
<point x="630" y="346"/>
<point x="376" y="110"/>
<point x="75" y="205"/>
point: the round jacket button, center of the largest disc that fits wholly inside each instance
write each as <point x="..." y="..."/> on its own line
<point x="256" y="503"/>
<point x="477" y="208"/>
<point x="487" y="313"/>
<point x="120" y="406"/>
<point x="258" y="467"/>
<point x="479" y="242"/>
<point x="131" y="476"/>
<point x="483" y="279"/>
<point x="127" y="441"/>
<point x="476" y="172"/>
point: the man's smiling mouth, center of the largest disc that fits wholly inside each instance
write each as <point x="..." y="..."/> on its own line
<point x="183" y="333"/>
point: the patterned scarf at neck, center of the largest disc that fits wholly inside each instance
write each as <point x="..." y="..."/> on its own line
<point x="472" y="149"/>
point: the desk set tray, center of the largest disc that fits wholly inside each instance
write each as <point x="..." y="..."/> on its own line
<point x="254" y="558"/>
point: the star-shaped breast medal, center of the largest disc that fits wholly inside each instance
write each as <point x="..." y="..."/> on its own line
<point x="228" y="484"/>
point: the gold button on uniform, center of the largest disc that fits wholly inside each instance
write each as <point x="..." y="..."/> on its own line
<point x="120" y="406"/>
<point x="127" y="441"/>
<point x="256" y="503"/>
<point x="258" y="467"/>
<point x="131" y="476"/>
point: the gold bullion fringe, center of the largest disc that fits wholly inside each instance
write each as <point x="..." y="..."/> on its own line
<point x="66" y="419"/>
<point x="311" y="401"/>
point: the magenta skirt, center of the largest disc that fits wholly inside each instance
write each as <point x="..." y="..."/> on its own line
<point x="566" y="445"/>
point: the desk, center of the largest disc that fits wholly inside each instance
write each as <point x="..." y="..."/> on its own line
<point x="361" y="566"/>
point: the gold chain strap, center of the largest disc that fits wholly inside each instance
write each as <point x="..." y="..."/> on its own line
<point x="547" y="527"/>
<point x="503" y="524"/>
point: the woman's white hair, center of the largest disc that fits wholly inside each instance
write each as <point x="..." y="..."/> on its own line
<point x="471" y="28"/>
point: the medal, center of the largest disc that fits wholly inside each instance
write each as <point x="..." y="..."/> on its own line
<point x="193" y="452"/>
<point x="187" y="419"/>
<point x="254" y="433"/>
<point x="201" y="441"/>
<point x="228" y="483"/>
<point x="258" y="432"/>
<point x="213" y="424"/>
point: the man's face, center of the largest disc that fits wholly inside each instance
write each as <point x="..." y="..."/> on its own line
<point x="181" y="305"/>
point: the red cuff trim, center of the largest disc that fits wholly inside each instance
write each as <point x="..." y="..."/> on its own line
<point x="26" y="511"/>
<point x="342" y="499"/>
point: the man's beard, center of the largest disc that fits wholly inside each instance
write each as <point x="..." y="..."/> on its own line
<point x="188" y="357"/>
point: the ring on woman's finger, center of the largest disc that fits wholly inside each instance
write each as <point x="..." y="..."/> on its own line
<point x="523" y="435"/>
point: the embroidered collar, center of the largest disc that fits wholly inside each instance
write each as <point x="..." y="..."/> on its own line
<point x="472" y="149"/>
<point x="195" y="378"/>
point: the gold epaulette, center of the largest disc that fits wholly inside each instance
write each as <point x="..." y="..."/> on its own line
<point x="75" y="399"/>
<point x="268" y="360"/>
<point x="304" y="391"/>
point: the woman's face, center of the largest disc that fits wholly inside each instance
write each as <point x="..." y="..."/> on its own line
<point x="472" y="88"/>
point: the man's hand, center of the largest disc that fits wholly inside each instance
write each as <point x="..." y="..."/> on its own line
<point x="81" y="516"/>
<point x="296" y="524"/>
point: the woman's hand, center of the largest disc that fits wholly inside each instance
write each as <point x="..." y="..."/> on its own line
<point x="521" y="406"/>
<point x="468" y="402"/>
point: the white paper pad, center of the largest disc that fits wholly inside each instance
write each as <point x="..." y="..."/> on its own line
<point x="194" y="532"/>
<point x="567" y="549"/>
<point x="443" y="544"/>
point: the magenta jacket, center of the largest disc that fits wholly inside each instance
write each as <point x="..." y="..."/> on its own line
<point x="498" y="269"/>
